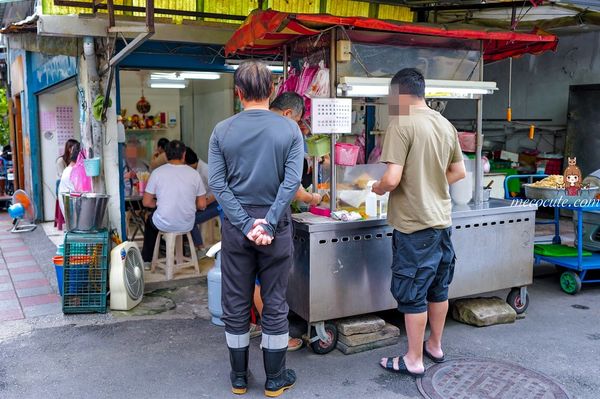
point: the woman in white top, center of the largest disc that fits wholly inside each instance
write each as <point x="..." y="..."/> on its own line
<point x="66" y="186"/>
<point x="61" y="163"/>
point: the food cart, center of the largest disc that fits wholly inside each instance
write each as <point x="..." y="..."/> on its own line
<point x="342" y="269"/>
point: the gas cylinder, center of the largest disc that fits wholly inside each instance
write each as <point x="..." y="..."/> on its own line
<point x="214" y="286"/>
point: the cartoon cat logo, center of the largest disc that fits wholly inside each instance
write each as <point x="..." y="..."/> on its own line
<point x="572" y="178"/>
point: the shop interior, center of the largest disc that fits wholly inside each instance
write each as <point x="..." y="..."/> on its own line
<point x="176" y="105"/>
<point x="59" y="121"/>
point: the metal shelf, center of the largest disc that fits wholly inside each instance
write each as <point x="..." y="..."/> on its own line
<point x="145" y="130"/>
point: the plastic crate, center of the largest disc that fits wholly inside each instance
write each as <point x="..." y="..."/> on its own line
<point x="85" y="272"/>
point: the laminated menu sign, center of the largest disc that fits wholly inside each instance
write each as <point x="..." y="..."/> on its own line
<point x="331" y="115"/>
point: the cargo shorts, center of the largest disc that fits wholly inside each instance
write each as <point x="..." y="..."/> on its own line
<point x="422" y="268"/>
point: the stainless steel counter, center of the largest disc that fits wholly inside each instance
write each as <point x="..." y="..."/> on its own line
<point x="312" y="223"/>
<point x="342" y="269"/>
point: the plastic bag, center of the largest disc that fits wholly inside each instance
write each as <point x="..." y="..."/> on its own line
<point x="319" y="87"/>
<point x="82" y="183"/>
<point x="360" y="142"/>
<point x="375" y="155"/>
<point x="306" y="77"/>
<point x="290" y="83"/>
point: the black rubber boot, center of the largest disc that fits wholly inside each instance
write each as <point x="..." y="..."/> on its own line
<point x="279" y="379"/>
<point x="239" y="370"/>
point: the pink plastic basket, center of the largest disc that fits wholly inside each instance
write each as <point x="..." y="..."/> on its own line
<point x="346" y="154"/>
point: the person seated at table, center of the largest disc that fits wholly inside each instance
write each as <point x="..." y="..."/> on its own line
<point x="291" y="105"/>
<point x="133" y="166"/>
<point x="159" y="158"/>
<point x="211" y="211"/>
<point x="65" y="186"/>
<point x="176" y="191"/>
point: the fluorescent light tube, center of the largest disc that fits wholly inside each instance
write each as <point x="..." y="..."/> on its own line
<point x="179" y="76"/>
<point x="200" y="75"/>
<point x="351" y="86"/>
<point x="170" y="85"/>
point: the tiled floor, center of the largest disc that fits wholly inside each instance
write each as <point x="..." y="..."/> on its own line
<point x="24" y="289"/>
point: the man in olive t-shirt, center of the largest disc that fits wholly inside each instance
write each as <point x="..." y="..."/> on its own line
<point x="423" y="156"/>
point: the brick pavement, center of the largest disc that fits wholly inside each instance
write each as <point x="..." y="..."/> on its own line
<point x="24" y="289"/>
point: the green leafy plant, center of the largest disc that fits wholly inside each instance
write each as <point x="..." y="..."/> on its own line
<point x="4" y="127"/>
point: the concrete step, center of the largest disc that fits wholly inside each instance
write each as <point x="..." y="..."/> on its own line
<point x="483" y="312"/>
<point x="388" y="331"/>
<point x="349" y="350"/>
<point x="360" y="325"/>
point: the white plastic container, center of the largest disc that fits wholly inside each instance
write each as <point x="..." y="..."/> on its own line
<point x="383" y="204"/>
<point x="461" y="192"/>
<point x="371" y="207"/>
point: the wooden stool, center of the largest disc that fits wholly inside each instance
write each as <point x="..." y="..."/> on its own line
<point x="174" y="254"/>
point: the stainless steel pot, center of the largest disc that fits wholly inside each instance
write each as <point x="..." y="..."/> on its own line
<point x="85" y="212"/>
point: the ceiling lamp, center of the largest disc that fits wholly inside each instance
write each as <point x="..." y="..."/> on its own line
<point x="167" y="84"/>
<point x="179" y="76"/>
<point x="351" y="86"/>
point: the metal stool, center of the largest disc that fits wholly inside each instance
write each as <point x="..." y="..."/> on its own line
<point x="174" y="259"/>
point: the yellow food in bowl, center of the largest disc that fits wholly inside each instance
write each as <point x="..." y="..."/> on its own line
<point x="552" y="181"/>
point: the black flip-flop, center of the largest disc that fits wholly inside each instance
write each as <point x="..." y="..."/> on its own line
<point x="431" y="357"/>
<point x="402" y="369"/>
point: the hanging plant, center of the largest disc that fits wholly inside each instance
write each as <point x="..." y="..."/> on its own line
<point x="97" y="106"/>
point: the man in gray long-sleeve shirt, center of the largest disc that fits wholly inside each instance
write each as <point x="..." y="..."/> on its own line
<point x="255" y="167"/>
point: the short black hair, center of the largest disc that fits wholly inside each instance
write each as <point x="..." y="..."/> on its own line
<point x="254" y="80"/>
<point x="175" y="150"/>
<point x="190" y="157"/>
<point x="75" y="149"/>
<point x="162" y="143"/>
<point x="408" y="81"/>
<point x="289" y="100"/>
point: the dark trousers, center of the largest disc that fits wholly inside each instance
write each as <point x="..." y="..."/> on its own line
<point x="211" y="211"/>
<point x="242" y="262"/>
<point x="150" y="234"/>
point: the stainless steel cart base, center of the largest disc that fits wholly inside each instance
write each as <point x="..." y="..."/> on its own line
<point x="343" y="269"/>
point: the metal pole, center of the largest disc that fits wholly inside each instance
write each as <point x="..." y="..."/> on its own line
<point x="285" y="62"/>
<point x="478" y="163"/>
<point x="332" y="93"/>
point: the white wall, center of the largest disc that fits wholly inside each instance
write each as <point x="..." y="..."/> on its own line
<point x="60" y="97"/>
<point x="203" y="104"/>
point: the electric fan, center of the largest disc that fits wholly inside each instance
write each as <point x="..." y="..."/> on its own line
<point x="126" y="276"/>
<point x="22" y="209"/>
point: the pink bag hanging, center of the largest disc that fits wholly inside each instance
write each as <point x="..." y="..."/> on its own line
<point x="306" y="77"/>
<point x="319" y="87"/>
<point x="375" y="155"/>
<point x="290" y="83"/>
<point x="360" y="142"/>
<point x="82" y="183"/>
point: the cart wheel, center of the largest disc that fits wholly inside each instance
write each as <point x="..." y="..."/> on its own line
<point x="570" y="282"/>
<point x="514" y="300"/>
<point x="320" y="347"/>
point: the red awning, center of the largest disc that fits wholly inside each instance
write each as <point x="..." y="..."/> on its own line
<point x="265" y="32"/>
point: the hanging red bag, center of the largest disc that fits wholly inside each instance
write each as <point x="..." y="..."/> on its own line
<point x="82" y="183"/>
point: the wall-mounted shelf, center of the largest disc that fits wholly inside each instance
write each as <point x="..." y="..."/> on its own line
<point x="145" y="130"/>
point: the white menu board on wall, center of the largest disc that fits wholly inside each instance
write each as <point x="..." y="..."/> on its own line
<point x="331" y="115"/>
